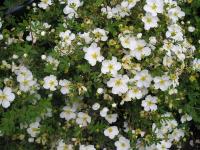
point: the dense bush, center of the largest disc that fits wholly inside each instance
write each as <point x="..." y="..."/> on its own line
<point x="99" y="74"/>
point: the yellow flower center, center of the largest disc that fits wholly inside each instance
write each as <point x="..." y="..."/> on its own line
<point x="118" y="82"/>
<point x="94" y="55"/>
<point x="154" y="6"/>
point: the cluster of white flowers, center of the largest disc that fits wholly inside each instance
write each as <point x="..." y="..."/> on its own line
<point x="64" y="46"/>
<point x="51" y="61"/>
<point x="140" y="72"/>
<point x="168" y="132"/>
<point x="37" y="29"/>
<point x="70" y="113"/>
<point x="121" y="10"/>
<point x="25" y="78"/>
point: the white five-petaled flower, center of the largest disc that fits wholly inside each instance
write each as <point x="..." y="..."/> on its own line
<point x="111" y="132"/>
<point x="68" y="113"/>
<point x="136" y="93"/>
<point x="128" y="41"/>
<point x="71" y="8"/>
<point x="162" y="83"/>
<point x="119" y="84"/>
<point x="6" y="97"/>
<point x="67" y="37"/>
<point x="150" y="21"/>
<point x="34" y="129"/>
<point x="175" y="32"/>
<point x="123" y="144"/>
<point x="149" y="103"/>
<point x="110" y="66"/>
<point x="111" y="118"/>
<point x="45" y="3"/>
<point x="100" y="34"/>
<point x="175" y="13"/>
<point x="141" y="49"/>
<point x="143" y="79"/>
<point x="92" y="54"/>
<point x="63" y="146"/>
<point x="65" y="86"/>
<point x="83" y="119"/>
<point x="154" y="6"/>
<point x="164" y="145"/>
<point x="50" y="82"/>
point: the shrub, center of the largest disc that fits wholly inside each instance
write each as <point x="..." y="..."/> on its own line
<point x="97" y="75"/>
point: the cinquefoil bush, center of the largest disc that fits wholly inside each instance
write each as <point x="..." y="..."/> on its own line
<point x="95" y="74"/>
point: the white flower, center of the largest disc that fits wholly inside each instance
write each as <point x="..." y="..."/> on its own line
<point x="86" y="37"/>
<point x="150" y="21"/>
<point x="50" y="82"/>
<point x="70" y="12"/>
<point x="100" y="90"/>
<point x="162" y="83"/>
<point x="68" y="113"/>
<point x="119" y="84"/>
<point x="34" y="129"/>
<point x="136" y="93"/>
<point x="52" y="61"/>
<point x="143" y="79"/>
<point x="63" y="146"/>
<point x="149" y="103"/>
<point x="167" y="61"/>
<point x="6" y="97"/>
<point x="185" y="118"/>
<point x="25" y="78"/>
<point x="23" y="74"/>
<point x="152" y="40"/>
<point x="100" y="34"/>
<point x="65" y="86"/>
<point x="71" y="8"/>
<point x="104" y="111"/>
<point x="164" y="145"/>
<point x="128" y="42"/>
<point x="111" y="118"/>
<point x="1" y="37"/>
<point x="26" y="84"/>
<point x="45" y="3"/>
<point x="92" y="54"/>
<point x="175" y="32"/>
<point x="196" y="64"/>
<point x="67" y="37"/>
<point x="87" y="147"/>
<point x="95" y="106"/>
<point x="122" y="144"/>
<point x="83" y="119"/>
<point x="74" y="3"/>
<point x="191" y="29"/>
<point x="154" y="6"/>
<point x="111" y="132"/>
<point x="176" y="135"/>
<point x="141" y="49"/>
<point x="175" y="13"/>
<point x="110" y="66"/>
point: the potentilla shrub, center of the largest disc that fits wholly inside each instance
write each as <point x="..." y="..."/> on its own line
<point x="95" y="74"/>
